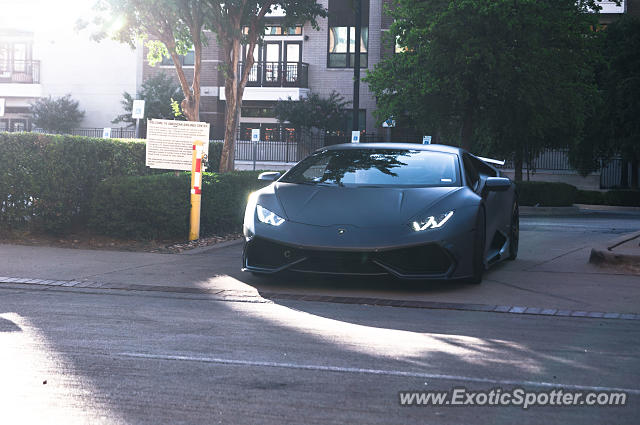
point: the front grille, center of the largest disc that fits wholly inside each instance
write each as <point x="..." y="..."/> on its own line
<point x="338" y="262"/>
<point x="430" y="259"/>
<point x="423" y="260"/>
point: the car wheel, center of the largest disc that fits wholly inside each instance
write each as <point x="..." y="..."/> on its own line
<point x="478" y="249"/>
<point x="514" y="233"/>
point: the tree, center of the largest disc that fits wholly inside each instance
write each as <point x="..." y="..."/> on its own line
<point x="173" y="27"/>
<point x="229" y="19"/>
<point x="614" y="122"/>
<point x="516" y="74"/>
<point x="159" y="93"/>
<point x="56" y="115"/>
<point x="326" y="114"/>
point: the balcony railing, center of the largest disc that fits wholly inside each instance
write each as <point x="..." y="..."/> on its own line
<point x="22" y="72"/>
<point x="278" y="74"/>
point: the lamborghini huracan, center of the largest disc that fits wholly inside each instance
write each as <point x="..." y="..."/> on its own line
<point x="406" y="210"/>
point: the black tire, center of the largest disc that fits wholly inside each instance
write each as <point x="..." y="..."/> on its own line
<point x="514" y="231"/>
<point x="478" y="249"/>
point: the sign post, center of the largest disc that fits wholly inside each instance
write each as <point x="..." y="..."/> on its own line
<point x="255" y="138"/>
<point x="180" y="145"/>
<point x="138" y="113"/>
<point x="196" y="190"/>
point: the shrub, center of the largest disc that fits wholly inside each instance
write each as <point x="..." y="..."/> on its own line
<point x="158" y="206"/>
<point x="546" y="194"/>
<point x="58" y="115"/>
<point x="48" y="180"/>
<point x="628" y="198"/>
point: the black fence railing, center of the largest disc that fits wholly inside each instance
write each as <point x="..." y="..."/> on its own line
<point x="278" y="74"/>
<point x="549" y="159"/>
<point x="21" y="72"/>
<point x="116" y="132"/>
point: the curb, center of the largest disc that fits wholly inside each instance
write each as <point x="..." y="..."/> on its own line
<point x="203" y="249"/>
<point x="266" y="297"/>
<point x="605" y="254"/>
<point x="588" y="207"/>
<point x="526" y="211"/>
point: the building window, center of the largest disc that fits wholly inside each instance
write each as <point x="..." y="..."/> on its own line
<point x="341" y="52"/>
<point x="258" y="112"/>
<point x="278" y="30"/>
<point x="185" y="60"/>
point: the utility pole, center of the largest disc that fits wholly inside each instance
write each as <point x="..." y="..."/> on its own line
<point x="356" y="66"/>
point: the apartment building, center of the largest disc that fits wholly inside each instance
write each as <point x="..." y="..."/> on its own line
<point x="58" y="61"/>
<point x="292" y="62"/>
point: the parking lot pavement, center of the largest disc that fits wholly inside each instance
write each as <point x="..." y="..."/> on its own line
<point x="551" y="272"/>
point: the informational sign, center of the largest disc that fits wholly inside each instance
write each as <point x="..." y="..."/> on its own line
<point x="170" y="143"/>
<point x="138" y="110"/>
<point x="426" y="140"/>
<point x="355" y="136"/>
<point x="611" y="6"/>
<point x="2" y="103"/>
<point x="389" y="123"/>
<point x="255" y="135"/>
<point x="106" y="133"/>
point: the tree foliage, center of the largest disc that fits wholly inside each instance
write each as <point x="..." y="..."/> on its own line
<point x="326" y="114"/>
<point x="512" y="74"/>
<point x="614" y="122"/>
<point x="56" y="114"/>
<point x="159" y="92"/>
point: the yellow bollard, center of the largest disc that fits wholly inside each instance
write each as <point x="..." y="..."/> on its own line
<point x="196" y="192"/>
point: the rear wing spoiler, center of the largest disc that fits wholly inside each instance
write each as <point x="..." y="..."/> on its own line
<point x="491" y="161"/>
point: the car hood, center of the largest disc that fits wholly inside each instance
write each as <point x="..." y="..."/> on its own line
<point x="356" y="206"/>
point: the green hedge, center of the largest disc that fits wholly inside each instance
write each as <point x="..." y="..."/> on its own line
<point x="48" y="180"/>
<point x="625" y="198"/>
<point x="546" y="194"/>
<point x="158" y="206"/>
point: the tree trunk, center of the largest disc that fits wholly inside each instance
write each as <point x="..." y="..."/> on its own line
<point x="517" y="164"/>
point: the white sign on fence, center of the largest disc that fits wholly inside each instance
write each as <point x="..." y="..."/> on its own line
<point x="426" y="140"/>
<point x="255" y="135"/>
<point x="355" y="136"/>
<point x="170" y="143"/>
<point x="138" y="109"/>
<point x="2" y="103"/>
<point x="106" y="133"/>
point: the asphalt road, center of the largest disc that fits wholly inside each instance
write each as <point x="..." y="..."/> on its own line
<point x="142" y="359"/>
<point x="70" y="355"/>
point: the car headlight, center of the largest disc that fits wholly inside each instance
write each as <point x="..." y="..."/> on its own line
<point x="432" y="222"/>
<point x="268" y="217"/>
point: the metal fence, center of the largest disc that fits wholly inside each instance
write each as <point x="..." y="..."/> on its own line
<point x="549" y="159"/>
<point x="116" y="132"/>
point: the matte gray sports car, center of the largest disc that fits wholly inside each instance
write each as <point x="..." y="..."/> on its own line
<point x="411" y="211"/>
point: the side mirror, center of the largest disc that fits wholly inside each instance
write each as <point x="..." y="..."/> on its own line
<point x="497" y="184"/>
<point x="269" y="176"/>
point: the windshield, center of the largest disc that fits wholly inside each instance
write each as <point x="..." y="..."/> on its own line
<point x="376" y="167"/>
